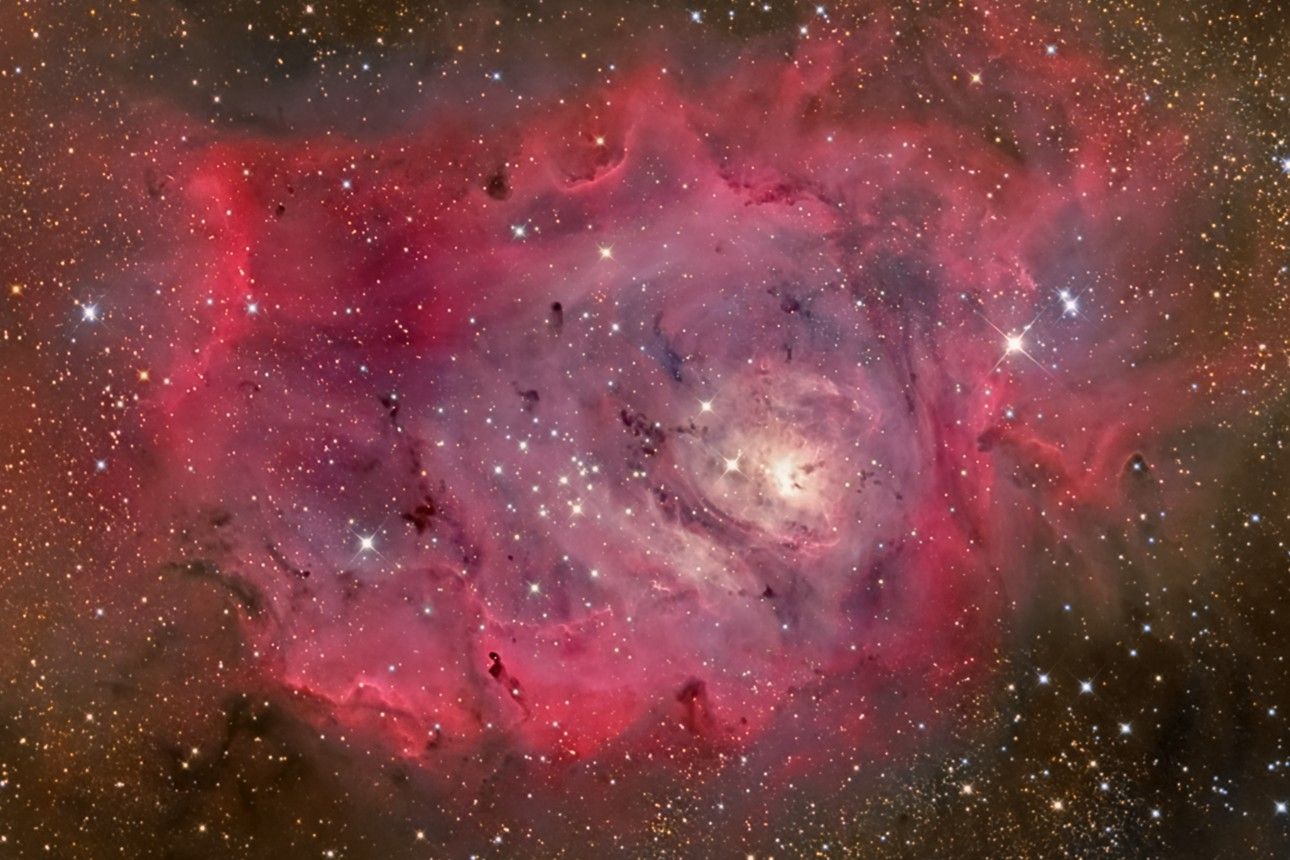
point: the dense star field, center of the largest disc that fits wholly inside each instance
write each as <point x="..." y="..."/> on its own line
<point x="650" y="430"/>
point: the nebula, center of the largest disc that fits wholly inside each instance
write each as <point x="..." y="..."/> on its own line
<point x="680" y="411"/>
<point x="729" y="417"/>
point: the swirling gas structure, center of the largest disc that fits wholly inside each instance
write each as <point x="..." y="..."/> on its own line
<point x="728" y="410"/>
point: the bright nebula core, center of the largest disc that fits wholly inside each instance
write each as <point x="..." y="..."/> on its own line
<point x="546" y="430"/>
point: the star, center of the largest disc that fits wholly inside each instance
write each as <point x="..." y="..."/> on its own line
<point x="1070" y="304"/>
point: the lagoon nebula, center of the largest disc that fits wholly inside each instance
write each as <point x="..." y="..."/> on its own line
<point x="646" y="430"/>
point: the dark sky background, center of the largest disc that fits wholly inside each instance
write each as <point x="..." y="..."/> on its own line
<point x="651" y="430"/>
